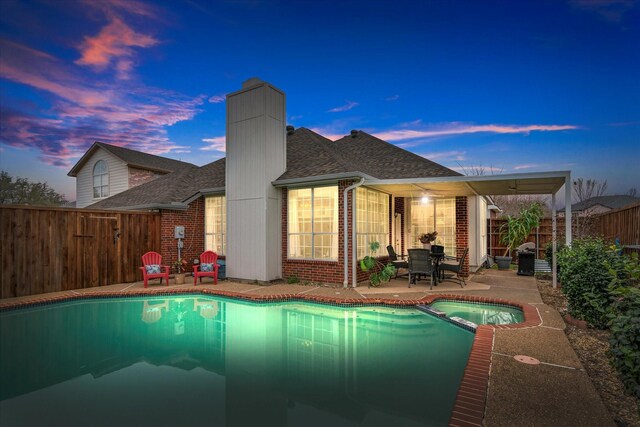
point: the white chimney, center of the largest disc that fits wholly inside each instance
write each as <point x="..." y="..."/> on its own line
<point x="256" y="155"/>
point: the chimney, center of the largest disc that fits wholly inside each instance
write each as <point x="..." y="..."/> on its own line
<point x="256" y="156"/>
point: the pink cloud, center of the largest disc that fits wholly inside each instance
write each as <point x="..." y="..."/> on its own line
<point x="217" y="99"/>
<point x="113" y="44"/>
<point x="328" y="134"/>
<point x="125" y="113"/>
<point x="219" y="143"/>
<point x="446" y="155"/>
<point x="460" y="129"/>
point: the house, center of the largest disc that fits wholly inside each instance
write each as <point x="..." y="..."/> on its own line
<point x="289" y="202"/>
<point x="602" y="204"/>
<point x="106" y="170"/>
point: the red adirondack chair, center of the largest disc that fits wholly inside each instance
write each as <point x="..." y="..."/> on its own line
<point x="152" y="268"/>
<point x="209" y="258"/>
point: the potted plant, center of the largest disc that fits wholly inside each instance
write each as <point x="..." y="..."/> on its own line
<point x="181" y="266"/>
<point x="515" y="230"/>
<point x="379" y="271"/>
<point x="427" y="238"/>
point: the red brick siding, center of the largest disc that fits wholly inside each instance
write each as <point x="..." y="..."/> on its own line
<point x="462" y="231"/>
<point x="317" y="271"/>
<point x="140" y="176"/>
<point x="193" y="221"/>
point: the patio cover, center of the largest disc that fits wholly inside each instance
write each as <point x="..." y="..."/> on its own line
<point x="535" y="183"/>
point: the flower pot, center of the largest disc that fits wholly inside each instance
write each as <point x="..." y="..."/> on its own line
<point x="179" y="277"/>
<point x="504" y="262"/>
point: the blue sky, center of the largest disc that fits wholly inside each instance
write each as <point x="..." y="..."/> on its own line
<point x="507" y="86"/>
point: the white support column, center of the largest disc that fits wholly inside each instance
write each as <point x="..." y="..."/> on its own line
<point x="554" y="223"/>
<point x="567" y="209"/>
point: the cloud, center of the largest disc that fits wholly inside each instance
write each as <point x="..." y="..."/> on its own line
<point x="217" y="99"/>
<point x="621" y="124"/>
<point x="446" y="155"/>
<point x="327" y="133"/>
<point x="83" y="110"/>
<point x="456" y="128"/>
<point x="609" y="10"/>
<point x="113" y="46"/>
<point x="526" y="166"/>
<point x="348" y="106"/>
<point x="219" y="143"/>
<point x="392" y="98"/>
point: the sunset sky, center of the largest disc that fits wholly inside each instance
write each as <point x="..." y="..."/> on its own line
<point x="510" y="86"/>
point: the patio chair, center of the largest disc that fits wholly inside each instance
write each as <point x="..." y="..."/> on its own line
<point x="456" y="268"/>
<point x="208" y="267"/>
<point x="152" y="268"/>
<point x="398" y="264"/>
<point x="420" y="264"/>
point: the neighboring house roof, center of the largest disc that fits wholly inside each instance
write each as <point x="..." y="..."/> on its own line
<point x="611" y="202"/>
<point x="132" y="158"/>
<point x="308" y="155"/>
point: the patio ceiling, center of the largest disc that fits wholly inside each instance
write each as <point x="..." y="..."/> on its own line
<point x="512" y="184"/>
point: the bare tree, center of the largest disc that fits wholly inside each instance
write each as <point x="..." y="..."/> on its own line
<point x="632" y="192"/>
<point x="586" y="189"/>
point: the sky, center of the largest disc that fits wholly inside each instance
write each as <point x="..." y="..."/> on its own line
<point x="505" y="86"/>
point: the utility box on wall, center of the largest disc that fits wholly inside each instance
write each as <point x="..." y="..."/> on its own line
<point x="179" y="232"/>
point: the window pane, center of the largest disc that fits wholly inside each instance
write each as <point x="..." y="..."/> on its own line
<point x="215" y="224"/>
<point x="300" y="246"/>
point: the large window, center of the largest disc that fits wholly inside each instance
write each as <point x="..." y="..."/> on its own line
<point x="100" y="179"/>
<point x="372" y="216"/>
<point x="313" y="223"/>
<point x="215" y="224"/>
<point x="434" y="214"/>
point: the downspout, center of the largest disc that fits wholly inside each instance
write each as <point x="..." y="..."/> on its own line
<point x="345" y="208"/>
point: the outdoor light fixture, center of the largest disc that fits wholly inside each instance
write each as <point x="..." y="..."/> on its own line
<point x="424" y="200"/>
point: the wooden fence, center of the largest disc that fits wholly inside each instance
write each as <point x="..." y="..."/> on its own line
<point x="622" y="224"/>
<point x="55" y="249"/>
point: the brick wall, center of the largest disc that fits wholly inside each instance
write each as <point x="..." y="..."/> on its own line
<point x="140" y="176"/>
<point x="193" y="221"/>
<point x="462" y="231"/>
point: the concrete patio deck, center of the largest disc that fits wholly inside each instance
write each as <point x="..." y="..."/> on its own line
<point x="555" y="392"/>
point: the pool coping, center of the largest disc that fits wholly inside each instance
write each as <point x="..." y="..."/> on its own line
<point x="470" y="404"/>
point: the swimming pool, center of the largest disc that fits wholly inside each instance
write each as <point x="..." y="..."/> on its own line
<point x="202" y="359"/>
<point x="480" y="314"/>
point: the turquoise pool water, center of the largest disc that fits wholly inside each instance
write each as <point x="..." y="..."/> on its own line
<point x="481" y="314"/>
<point x="211" y="361"/>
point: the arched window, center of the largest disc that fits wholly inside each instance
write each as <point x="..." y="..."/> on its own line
<point x="100" y="179"/>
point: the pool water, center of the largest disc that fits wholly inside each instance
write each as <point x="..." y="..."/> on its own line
<point x="214" y="361"/>
<point x="481" y="314"/>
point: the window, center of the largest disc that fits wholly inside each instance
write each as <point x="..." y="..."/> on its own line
<point x="313" y="223"/>
<point x="372" y="216"/>
<point x="100" y="179"/>
<point x="435" y="214"/>
<point x="215" y="224"/>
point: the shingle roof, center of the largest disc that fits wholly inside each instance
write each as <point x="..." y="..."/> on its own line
<point x="308" y="155"/>
<point x="132" y="158"/>
<point x="612" y="202"/>
<point x="173" y="188"/>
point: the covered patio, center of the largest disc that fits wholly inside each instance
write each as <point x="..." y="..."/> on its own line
<point x="414" y="190"/>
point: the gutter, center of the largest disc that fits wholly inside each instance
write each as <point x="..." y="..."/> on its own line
<point x="150" y="206"/>
<point x="318" y="179"/>
<point x="345" y="210"/>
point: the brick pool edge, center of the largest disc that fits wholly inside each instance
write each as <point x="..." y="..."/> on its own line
<point x="471" y="398"/>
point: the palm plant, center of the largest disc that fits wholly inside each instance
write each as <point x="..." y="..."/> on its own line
<point x="515" y="230"/>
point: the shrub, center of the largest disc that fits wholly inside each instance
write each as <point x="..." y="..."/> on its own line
<point x="587" y="269"/>
<point x="625" y="324"/>
<point x="548" y="252"/>
<point x="293" y="279"/>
